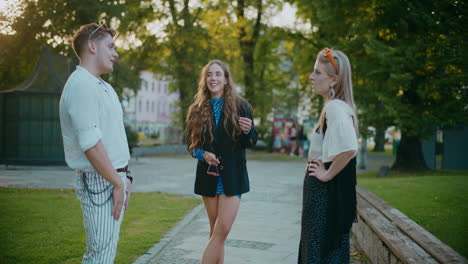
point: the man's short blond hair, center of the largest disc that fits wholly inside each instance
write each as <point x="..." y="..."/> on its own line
<point x="82" y="35"/>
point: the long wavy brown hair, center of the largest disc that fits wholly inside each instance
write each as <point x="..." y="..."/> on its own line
<point x="200" y="113"/>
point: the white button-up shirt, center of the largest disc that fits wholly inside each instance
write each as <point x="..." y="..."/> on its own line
<point x="90" y="111"/>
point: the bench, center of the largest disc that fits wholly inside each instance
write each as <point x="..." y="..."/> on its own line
<point x="386" y="235"/>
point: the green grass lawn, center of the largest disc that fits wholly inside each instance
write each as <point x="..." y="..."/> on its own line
<point x="46" y="226"/>
<point x="262" y="155"/>
<point x="436" y="200"/>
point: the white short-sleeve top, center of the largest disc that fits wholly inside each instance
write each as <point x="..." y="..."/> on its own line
<point x="340" y="135"/>
<point x="90" y="111"/>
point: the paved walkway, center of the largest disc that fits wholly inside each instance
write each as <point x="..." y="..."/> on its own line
<point x="267" y="227"/>
<point x="266" y="230"/>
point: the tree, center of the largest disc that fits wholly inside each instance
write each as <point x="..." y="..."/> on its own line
<point x="396" y="56"/>
<point x="270" y="52"/>
<point x="53" y="23"/>
<point x="425" y="82"/>
<point x="180" y="52"/>
<point x="248" y="42"/>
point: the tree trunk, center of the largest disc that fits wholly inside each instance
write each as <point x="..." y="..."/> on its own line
<point x="249" y="81"/>
<point x="247" y="46"/>
<point x="379" y="139"/>
<point x="409" y="155"/>
<point x="380" y="128"/>
<point x="362" y="155"/>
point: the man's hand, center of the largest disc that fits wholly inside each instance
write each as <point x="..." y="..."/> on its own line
<point x="128" y="191"/>
<point x="118" y="197"/>
<point x="97" y="155"/>
<point x="210" y="158"/>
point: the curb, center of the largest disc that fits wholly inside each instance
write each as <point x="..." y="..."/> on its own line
<point x="158" y="247"/>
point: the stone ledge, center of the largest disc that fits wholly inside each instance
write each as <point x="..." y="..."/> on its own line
<point x="386" y="235"/>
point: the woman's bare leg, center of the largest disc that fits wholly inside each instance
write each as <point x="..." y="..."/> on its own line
<point x="228" y="206"/>
<point x="211" y="207"/>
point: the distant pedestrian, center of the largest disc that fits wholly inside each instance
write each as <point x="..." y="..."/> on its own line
<point x="95" y="143"/>
<point x="302" y="139"/>
<point x="293" y="138"/>
<point x="219" y="129"/>
<point x="329" y="194"/>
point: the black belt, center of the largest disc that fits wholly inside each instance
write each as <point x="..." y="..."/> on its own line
<point x="124" y="169"/>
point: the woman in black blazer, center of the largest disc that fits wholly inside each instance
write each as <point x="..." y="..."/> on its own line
<point x="219" y="127"/>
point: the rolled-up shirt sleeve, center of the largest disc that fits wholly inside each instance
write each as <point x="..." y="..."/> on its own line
<point x="340" y="135"/>
<point x="83" y="108"/>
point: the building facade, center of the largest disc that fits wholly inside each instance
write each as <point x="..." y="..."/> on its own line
<point x="153" y="109"/>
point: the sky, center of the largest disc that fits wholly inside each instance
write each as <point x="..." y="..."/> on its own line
<point x="4" y="16"/>
<point x="3" y="4"/>
<point x="287" y="18"/>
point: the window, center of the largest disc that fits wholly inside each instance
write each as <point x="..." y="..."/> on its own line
<point x="152" y="106"/>
<point x="147" y="106"/>
<point x="139" y="106"/>
<point x="152" y="86"/>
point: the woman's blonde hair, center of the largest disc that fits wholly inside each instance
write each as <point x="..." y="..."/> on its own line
<point x="200" y="115"/>
<point x="343" y="87"/>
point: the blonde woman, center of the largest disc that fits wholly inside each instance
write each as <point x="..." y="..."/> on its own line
<point x="219" y="129"/>
<point x="329" y="194"/>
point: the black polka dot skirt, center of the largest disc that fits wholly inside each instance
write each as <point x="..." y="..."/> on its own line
<point x="313" y="227"/>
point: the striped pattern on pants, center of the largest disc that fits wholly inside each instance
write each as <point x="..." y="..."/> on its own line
<point x="102" y="231"/>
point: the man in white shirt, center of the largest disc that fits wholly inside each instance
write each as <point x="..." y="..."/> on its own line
<point x="95" y="143"/>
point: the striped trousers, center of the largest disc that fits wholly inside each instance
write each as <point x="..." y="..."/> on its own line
<point x="102" y="231"/>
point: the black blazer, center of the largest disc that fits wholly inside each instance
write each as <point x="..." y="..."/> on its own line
<point x="231" y="155"/>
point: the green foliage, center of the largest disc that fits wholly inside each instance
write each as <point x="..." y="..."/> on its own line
<point x="46" y="226"/>
<point x="132" y="138"/>
<point x="155" y="135"/>
<point x="219" y="30"/>
<point x="408" y="69"/>
<point x="264" y="130"/>
<point x="276" y="85"/>
<point x="53" y="23"/>
<point x="180" y="53"/>
<point x="191" y="34"/>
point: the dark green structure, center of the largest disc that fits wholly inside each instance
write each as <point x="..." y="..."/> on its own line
<point x="29" y="114"/>
<point x="455" y="149"/>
